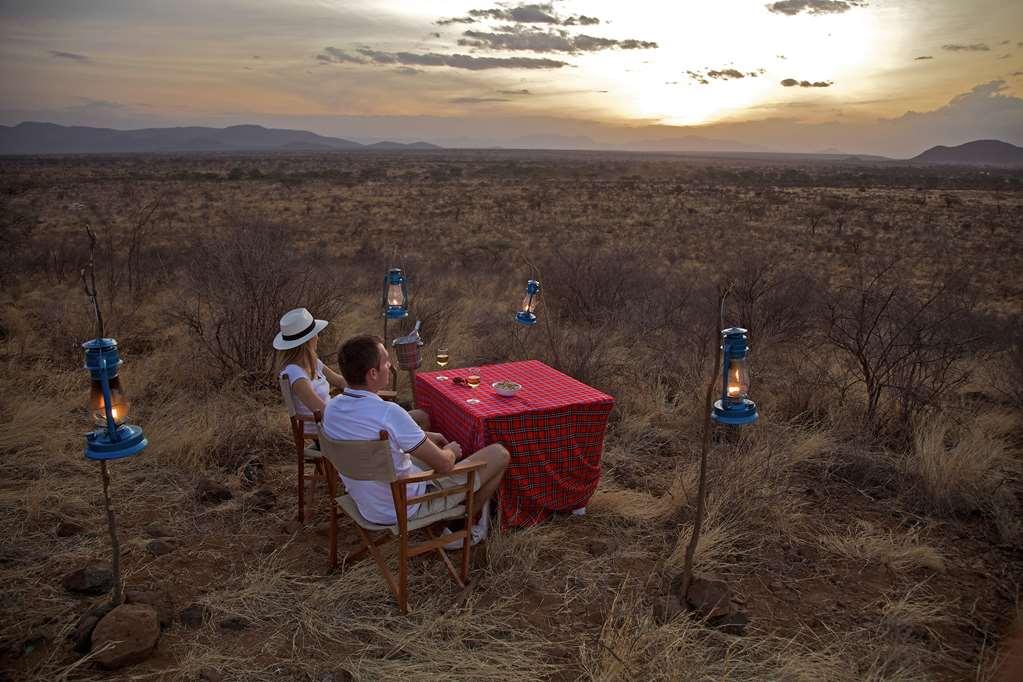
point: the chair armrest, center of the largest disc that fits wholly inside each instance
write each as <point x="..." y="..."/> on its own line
<point x="389" y="396"/>
<point x="460" y="468"/>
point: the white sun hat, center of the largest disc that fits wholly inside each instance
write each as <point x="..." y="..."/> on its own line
<point x="297" y="327"/>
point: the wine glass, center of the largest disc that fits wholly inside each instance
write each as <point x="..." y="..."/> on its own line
<point x="473" y="379"/>
<point x="442" y="356"/>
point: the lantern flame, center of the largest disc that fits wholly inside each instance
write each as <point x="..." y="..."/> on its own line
<point x="734" y="383"/>
<point x="394" y="295"/>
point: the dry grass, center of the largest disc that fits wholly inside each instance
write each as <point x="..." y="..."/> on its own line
<point x="574" y="598"/>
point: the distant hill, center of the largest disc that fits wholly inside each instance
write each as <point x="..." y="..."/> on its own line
<point x="50" y="138"/>
<point x="977" y="153"/>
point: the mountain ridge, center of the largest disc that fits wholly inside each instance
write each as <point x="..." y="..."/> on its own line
<point x="976" y="153"/>
<point x="35" y="137"/>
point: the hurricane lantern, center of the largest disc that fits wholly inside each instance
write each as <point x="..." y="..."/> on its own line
<point x="112" y="437"/>
<point x="526" y="314"/>
<point x="735" y="408"/>
<point x="395" y="301"/>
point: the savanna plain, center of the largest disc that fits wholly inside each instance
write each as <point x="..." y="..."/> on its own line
<point x="869" y="524"/>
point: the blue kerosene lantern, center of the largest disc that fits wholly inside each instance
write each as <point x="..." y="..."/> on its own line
<point x="526" y="314"/>
<point x="735" y="408"/>
<point x="111" y="438"/>
<point x="395" y="301"/>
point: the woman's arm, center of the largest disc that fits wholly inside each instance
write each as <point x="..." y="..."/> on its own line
<point x="303" y="390"/>
<point x="334" y="379"/>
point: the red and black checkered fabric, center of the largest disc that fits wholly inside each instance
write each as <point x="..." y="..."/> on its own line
<point x="553" y="427"/>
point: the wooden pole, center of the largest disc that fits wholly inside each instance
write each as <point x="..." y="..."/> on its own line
<point x="117" y="592"/>
<point x="701" y="494"/>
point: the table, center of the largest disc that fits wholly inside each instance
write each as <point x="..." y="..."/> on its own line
<point x="554" y="429"/>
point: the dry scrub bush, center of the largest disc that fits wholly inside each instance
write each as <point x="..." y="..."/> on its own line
<point x="239" y="282"/>
<point x="963" y="468"/>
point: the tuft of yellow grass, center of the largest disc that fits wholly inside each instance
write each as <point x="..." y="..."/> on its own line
<point x="900" y="551"/>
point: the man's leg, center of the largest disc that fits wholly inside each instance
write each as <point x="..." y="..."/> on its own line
<point x="495" y="460"/>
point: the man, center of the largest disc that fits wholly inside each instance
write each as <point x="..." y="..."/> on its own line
<point x="359" y="413"/>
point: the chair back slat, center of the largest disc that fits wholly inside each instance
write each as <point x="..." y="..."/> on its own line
<point x="289" y="399"/>
<point x="361" y="460"/>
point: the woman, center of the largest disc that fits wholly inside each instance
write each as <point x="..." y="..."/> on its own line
<point x="296" y="359"/>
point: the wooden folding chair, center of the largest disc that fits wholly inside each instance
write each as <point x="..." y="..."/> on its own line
<point x="304" y="454"/>
<point x="372" y="461"/>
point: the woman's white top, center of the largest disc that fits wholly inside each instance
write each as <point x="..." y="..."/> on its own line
<point x="321" y="387"/>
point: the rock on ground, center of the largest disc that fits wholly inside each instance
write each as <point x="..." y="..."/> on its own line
<point x="211" y="492"/>
<point x="92" y="579"/>
<point x="131" y="631"/>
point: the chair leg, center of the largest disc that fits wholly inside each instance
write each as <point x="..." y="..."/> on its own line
<point x="301" y="486"/>
<point x="372" y="547"/>
<point x="403" y="574"/>
<point x="333" y="534"/>
<point x="447" y="561"/>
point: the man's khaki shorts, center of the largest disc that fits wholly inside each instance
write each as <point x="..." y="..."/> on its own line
<point x="439" y="504"/>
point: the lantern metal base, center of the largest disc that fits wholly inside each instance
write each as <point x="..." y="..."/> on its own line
<point x="396" y="313"/>
<point x="735" y="413"/>
<point x="528" y="319"/>
<point x="130" y="441"/>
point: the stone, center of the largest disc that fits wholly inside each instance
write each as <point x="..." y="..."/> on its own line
<point x="732" y="623"/>
<point x="66" y="528"/>
<point x="159" y="600"/>
<point x="260" y="501"/>
<point x="81" y="636"/>
<point x="211" y="492"/>
<point x="251" y="473"/>
<point x="132" y="630"/>
<point x="159" y="547"/>
<point x="234" y="623"/>
<point x="93" y="579"/>
<point x="194" y="615"/>
<point x="155" y="530"/>
<point x="710" y="598"/>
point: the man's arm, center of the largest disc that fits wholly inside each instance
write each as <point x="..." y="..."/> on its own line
<point x="440" y="459"/>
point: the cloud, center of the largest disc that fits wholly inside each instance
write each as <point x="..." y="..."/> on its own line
<point x="975" y="47"/>
<point x="1017" y="73"/>
<point x="794" y="7"/>
<point x="1005" y="56"/>
<point x="926" y="56"/>
<point x="538" y="13"/>
<point x="407" y="71"/>
<point x="332" y="55"/>
<point x="790" y="82"/>
<point x="376" y="56"/>
<point x="69" y="55"/>
<point x="476" y="100"/>
<point x="523" y="91"/>
<point x="703" y="77"/>
<point x="515" y="38"/>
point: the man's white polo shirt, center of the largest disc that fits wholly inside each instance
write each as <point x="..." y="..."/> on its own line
<point x="362" y="415"/>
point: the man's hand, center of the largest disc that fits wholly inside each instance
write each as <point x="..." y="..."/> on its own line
<point x="455" y="449"/>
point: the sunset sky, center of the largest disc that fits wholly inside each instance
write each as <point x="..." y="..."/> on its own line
<point x="874" y="76"/>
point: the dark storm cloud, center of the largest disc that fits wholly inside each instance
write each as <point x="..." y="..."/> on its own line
<point x="792" y="82"/>
<point x="975" y="47"/>
<point x="69" y="55"/>
<point x="922" y="57"/>
<point x="514" y="38"/>
<point x="333" y="55"/>
<point x="539" y="13"/>
<point x="476" y="100"/>
<point x="794" y="7"/>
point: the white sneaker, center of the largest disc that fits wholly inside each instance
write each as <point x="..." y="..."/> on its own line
<point x="476" y="536"/>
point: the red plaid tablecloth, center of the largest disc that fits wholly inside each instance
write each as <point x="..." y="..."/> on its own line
<point x="553" y="427"/>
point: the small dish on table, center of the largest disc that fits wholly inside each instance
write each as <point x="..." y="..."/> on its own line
<point x="506" y="388"/>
